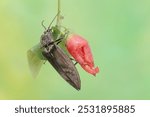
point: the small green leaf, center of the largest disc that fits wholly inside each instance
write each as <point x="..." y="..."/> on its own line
<point x="35" y="59"/>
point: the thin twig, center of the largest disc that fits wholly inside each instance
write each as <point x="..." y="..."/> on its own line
<point x="58" y="16"/>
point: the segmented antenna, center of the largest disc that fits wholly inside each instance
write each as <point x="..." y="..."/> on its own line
<point x="42" y="23"/>
<point x="53" y="20"/>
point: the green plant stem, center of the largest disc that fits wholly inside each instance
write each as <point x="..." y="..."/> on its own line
<point x="58" y="16"/>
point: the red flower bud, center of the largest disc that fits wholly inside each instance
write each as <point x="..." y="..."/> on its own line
<point x="78" y="47"/>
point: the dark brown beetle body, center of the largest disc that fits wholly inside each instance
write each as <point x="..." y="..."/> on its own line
<point x="59" y="60"/>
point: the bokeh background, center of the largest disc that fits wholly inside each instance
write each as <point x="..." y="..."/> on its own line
<point x="118" y="32"/>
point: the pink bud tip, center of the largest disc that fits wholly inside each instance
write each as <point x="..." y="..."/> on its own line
<point x="79" y="48"/>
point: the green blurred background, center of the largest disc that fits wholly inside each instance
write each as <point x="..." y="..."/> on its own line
<point x="118" y="32"/>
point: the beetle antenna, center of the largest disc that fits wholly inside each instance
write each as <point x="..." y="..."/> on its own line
<point x="53" y="20"/>
<point x="42" y="23"/>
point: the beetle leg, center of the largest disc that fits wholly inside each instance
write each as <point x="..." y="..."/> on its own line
<point x="74" y="60"/>
<point x="75" y="63"/>
<point x="58" y="42"/>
